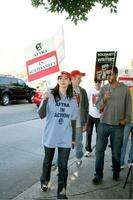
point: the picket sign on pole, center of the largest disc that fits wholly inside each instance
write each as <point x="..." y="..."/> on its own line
<point x="43" y="58"/>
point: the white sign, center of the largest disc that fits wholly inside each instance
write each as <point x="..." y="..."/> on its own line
<point x="40" y="48"/>
<point x="55" y="43"/>
<point x="59" y="43"/>
<point x="126" y="72"/>
<point x="126" y="76"/>
<point x="43" y="58"/>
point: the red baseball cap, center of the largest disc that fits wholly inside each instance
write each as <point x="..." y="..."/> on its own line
<point x="77" y="73"/>
<point x="67" y="74"/>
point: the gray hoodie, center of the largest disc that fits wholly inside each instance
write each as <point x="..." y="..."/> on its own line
<point x="117" y="107"/>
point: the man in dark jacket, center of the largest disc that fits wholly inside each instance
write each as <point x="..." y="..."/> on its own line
<point x="82" y="101"/>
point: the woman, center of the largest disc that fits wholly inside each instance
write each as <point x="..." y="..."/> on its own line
<point x="60" y="109"/>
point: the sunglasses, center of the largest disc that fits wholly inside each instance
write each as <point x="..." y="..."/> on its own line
<point x="97" y="81"/>
<point x="109" y="74"/>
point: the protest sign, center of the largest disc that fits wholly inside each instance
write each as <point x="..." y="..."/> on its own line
<point x="42" y="66"/>
<point x="126" y="76"/>
<point x="43" y="57"/>
<point x="104" y="59"/>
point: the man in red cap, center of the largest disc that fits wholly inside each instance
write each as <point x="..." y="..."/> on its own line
<point x="81" y="122"/>
<point x="77" y="73"/>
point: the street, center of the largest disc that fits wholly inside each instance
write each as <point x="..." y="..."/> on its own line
<point x="21" y="152"/>
<point x="17" y="112"/>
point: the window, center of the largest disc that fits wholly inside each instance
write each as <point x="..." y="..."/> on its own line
<point x="21" y="83"/>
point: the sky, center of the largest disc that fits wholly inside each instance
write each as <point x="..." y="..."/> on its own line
<point x="23" y="25"/>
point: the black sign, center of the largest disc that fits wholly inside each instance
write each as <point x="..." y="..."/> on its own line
<point x="104" y="59"/>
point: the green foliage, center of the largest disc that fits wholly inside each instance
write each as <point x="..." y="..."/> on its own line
<point x="77" y="9"/>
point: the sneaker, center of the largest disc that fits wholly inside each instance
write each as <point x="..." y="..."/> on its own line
<point x="78" y="163"/>
<point x="96" y="180"/>
<point x="89" y="149"/>
<point x="87" y="154"/>
<point x="129" y="165"/>
<point x="62" y="196"/>
<point x="116" y="176"/>
<point x="44" y="187"/>
<point x="122" y="166"/>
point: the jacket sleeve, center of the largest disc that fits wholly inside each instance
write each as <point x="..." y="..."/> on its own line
<point x="85" y="110"/>
<point x="73" y="124"/>
<point x="128" y="106"/>
<point x="42" y="109"/>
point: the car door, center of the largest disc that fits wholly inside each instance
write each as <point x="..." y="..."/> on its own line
<point x="20" y="89"/>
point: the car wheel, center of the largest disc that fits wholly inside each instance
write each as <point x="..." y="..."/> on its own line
<point x="5" y="100"/>
<point x="30" y="100"/>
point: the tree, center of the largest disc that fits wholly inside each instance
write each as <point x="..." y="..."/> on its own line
<point x="77" y="9"/>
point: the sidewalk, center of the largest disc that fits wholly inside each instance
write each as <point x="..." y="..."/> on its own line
<point x="80" y="184"/>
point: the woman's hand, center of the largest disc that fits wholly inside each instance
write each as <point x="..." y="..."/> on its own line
<point x="45" y="96"/>
<point x="73" y="144"/>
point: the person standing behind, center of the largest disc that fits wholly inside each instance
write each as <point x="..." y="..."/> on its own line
<point x="93" y="115"/>
<point x="115" y="101"/>
<point x="60" y="109"/>
<point x="127" y="131"/>
<point x="130" y="160"/>
<point x="82" y="101"/>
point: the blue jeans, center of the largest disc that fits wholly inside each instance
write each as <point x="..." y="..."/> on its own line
<point x="116" y="138"/>
<point x="79" y="145"/>
<point x="130" y="160"/>
<point x="63" y="156"/>
<point x="125" y="142"/>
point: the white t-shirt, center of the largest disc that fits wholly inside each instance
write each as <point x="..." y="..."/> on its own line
<point x="92" y="97"/>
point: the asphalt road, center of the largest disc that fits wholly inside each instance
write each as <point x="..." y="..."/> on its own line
<point x="17" y="112"/>
<point x="21" y="153"/>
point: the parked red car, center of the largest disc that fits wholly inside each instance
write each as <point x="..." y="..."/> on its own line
<point x="38" y="96"/>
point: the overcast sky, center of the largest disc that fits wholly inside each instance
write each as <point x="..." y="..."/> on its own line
<point x="22" y="25"/>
